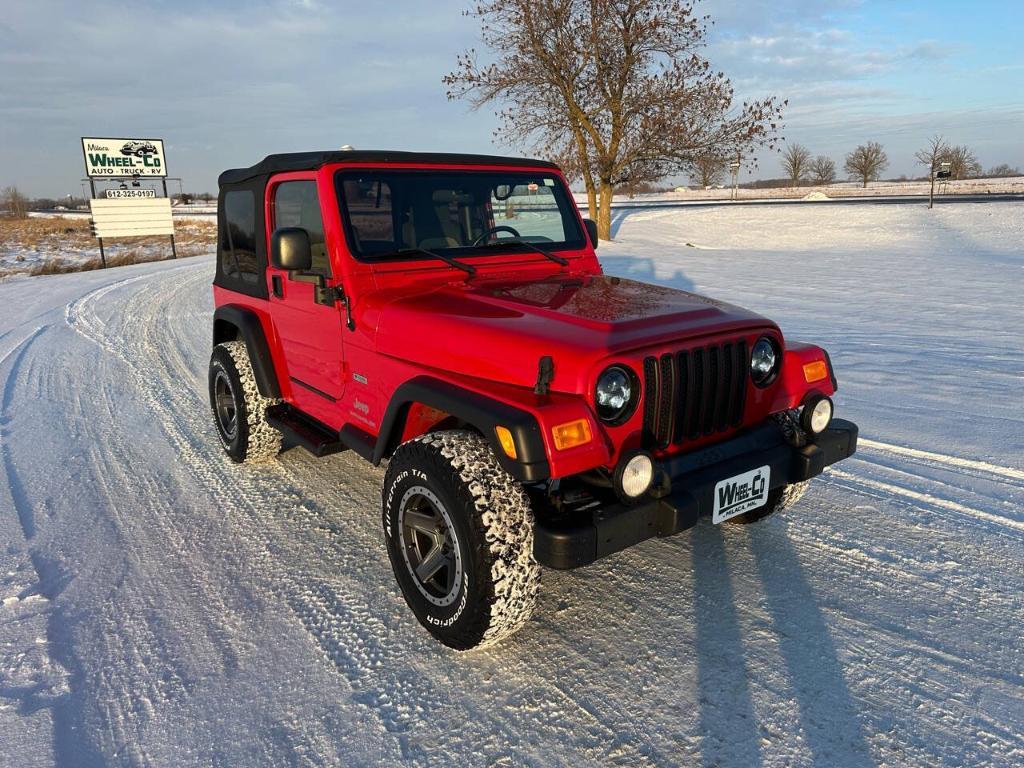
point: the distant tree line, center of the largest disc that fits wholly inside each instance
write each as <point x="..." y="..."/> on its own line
<point x="865" y="163"/>
<point x="14" y="204"/>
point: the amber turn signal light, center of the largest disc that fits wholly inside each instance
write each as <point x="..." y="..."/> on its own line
<point x="571" y="434"/>
<point x="815" y="371"/>
<point x="508" y="444"/>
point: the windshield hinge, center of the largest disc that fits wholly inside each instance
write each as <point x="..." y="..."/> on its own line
<point x="335" y="294"/>
<point x="545" y="373"/>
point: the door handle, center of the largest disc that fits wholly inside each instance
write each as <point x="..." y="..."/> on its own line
<point x="277" y="285"/>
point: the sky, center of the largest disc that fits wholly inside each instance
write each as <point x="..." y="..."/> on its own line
<point x="225" y="83"/>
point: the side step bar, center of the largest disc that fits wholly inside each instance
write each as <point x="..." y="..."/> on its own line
<point x="304" y="430"/>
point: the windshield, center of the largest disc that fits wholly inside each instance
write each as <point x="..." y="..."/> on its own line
<point x="457" y="213"/>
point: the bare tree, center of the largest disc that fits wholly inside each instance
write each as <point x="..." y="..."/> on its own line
<point x="14" y="203"/>
<point x="932" y="156"/>
<point x="962" y="163"/>
<point x="619" y="84"/>
<point x="795" y="160"/>
<point x="822" y="170"/>
<point x="1002" y="171"/>
<point x="706" y="169"/>
<point x="866" y="162"/>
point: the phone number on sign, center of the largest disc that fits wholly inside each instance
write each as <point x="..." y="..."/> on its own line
<point x="119" y="193"/>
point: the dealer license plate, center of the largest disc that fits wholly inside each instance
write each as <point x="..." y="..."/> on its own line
<point x="741" y="493"/>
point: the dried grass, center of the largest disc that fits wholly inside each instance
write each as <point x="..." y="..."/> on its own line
<point x="56" y="234"/>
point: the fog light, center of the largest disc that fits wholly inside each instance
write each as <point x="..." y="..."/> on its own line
<point x="633" y="478"/>
<point x="817" y="415"/>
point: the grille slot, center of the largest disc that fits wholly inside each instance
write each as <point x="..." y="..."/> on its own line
<point x="693" y="393"/>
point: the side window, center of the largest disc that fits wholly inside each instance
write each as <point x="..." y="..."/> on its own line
<point x="238" y="238"/>
<point x="370" y="215"/>
<point x="296" y="204"/>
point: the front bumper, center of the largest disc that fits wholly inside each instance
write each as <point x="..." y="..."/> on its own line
<point x="686" y="493"/>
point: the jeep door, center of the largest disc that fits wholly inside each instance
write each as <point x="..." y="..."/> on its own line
<point x="309" y="332"/>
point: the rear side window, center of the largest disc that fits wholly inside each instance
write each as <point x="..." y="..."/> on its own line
<point x="238" y="238"/>
<point x="296" y="204"/>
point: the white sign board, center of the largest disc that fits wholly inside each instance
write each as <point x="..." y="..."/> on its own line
<point x="111" y="158"/>
<point x="131" y="218"/>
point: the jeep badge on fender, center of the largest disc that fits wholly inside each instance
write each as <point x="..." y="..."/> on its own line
<point x="532" y="410"/>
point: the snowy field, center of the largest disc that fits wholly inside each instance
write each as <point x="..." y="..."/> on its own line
<point x="160" y="606"/>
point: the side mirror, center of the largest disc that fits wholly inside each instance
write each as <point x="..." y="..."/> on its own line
<point x="290" y="249"/>
<point x="591" y="231"/>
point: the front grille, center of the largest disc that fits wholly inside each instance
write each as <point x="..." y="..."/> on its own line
<point x="694" y="393"/>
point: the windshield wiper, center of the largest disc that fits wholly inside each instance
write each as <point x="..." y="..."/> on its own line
<point x="531" y="246"/>
<point x="435" y="255"/>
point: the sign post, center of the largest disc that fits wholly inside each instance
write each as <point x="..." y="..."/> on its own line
<point x="120" y="212"/>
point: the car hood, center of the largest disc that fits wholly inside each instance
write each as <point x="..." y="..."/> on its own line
<point x="499" y="329"/>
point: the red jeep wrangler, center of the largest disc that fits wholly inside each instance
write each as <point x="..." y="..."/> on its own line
<point x="448" y="313"/>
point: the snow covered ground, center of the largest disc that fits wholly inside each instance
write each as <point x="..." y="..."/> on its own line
<point x="160" y="606"/>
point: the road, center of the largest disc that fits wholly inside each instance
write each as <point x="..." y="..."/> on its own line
<point x="162" y="606"/>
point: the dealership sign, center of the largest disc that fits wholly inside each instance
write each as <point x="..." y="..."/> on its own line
<point x="111" y="158"/>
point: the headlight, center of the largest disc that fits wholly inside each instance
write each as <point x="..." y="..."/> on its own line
<point x="764" y="362"/>
<point x="616" y="394"/>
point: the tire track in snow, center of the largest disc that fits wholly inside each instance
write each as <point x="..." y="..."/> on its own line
<point x="925" y="498"/>
<point x="955" y="462"/>
<point x="26" y="515"/>
<point x="907" y="479"/>
<point x="70" y="740"/>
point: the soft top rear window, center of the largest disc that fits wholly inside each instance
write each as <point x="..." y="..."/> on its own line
<point x="389" y="213"/>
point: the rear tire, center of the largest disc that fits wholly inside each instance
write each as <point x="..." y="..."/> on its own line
<point x="239" y="410"/>
<point x="446" y="498"/>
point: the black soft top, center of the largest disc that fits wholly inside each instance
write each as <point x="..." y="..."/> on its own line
<point x="308" y="161"/>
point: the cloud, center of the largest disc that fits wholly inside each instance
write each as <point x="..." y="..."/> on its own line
<point x="225" y="83"/>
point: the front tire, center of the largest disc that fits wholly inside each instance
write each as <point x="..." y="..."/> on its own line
<point x="778" y="500"/>
<point x="781" y="498"/>
<point x="459" y="534"/>
<point x="239" y="410"/>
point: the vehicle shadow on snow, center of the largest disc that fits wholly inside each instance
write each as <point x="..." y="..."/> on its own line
<point x="828" y="723"/>
<point x="619" y="216"/>
<point x="643" y="270"/>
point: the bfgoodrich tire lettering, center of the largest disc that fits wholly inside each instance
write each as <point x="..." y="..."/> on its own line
<point x="239" y="411"/>
<point x="491" y="527"/>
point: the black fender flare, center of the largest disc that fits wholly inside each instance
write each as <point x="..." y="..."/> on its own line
<point x="250" y="329"/>
<point x="479" y="411"/>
